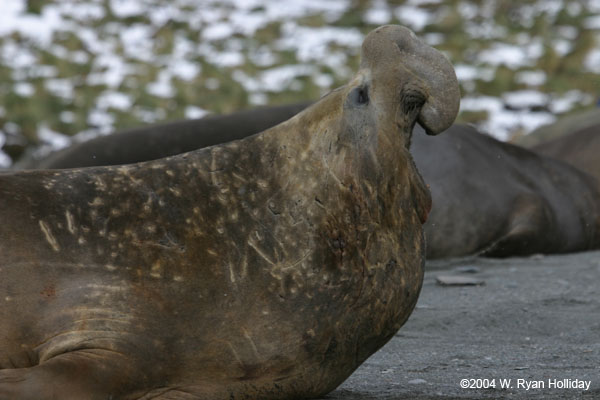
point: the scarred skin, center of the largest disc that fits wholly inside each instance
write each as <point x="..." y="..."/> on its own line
<point x="490" y="198"/>
<point x="266" y="268"/>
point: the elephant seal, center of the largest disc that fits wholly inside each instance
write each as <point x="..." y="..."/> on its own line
<point x="496" y="199"/>
<point x="265" y="268"/>
<point x="579" y="148"/>
<point x="563" y="126"/>
<point x="489" y="198"/>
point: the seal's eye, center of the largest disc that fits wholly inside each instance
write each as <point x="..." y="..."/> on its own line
<point x="360" y="95"/>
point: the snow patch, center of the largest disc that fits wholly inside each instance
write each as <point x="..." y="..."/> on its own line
<point x="569" y="100"/>
<point x="24" y="89"/>
<point x="109" y="69"/>
<point x="37" y="28"/>
<point x="274" y="79"/>
<point x="161" y="87"/>
<point x="5" y="160"/>
<point x="502" y="122"/>
<point x="525" y="99"/>
<point x="531" y="78"/>
<point x="60" y="87"/>
<point x="592" y="61"/>
<point x="313" y="44"/>
<point x="219" y="31"/>
<point x="563" y="46"/>
<point x="466" y="72"/>
<point x="52" y="140"/>
<point x="220" y="58"/>
<point x="67" y="117"/>
<point x="512" y="56"/>
<point x="101" y="119"/>
<point x="414" y="17"/>
<point x="138" y="42"/>
<point x="15" y="56"/>
<point x="193" y="112"/>
<point x="116" y="100"/>
<point x="263" y="57"/>
<point x="378" y="14"/>
<point x="592" y="22"/>
<point x="127" y="8"/>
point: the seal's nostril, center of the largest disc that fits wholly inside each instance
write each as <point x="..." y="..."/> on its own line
<point x="363" y="96"/>
<point x="359" y="96"/>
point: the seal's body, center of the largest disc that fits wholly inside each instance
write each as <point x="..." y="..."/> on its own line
<point x="231" y="279"/>
<point x="579" y="148"/>
<point x="490" y="198"/>
<point x="496" y="199"/>
<point x="267" y="268"/>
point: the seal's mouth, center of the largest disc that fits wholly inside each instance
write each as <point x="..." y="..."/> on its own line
<point x="421" y="195"/>
<point x="425" y="210"/>
<point x="406" y="130"/>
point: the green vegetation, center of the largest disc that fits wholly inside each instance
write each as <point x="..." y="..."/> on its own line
<point x="57" y="83"/>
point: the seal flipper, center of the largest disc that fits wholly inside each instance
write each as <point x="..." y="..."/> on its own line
<point x="531" y="215"/>
<point x="83" y="374"/>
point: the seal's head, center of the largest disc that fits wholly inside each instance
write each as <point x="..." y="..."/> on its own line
<point x="401" y="81"/>
<point x="413" y="78"/>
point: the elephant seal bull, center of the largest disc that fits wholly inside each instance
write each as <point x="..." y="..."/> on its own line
<point x="489" y="198"/>
<point x="265" y="268"/>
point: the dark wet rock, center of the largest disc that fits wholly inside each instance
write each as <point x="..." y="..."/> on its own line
<point x="458" y="280"/>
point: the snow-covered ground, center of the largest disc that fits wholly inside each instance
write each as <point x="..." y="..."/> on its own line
<point x="77" y="68"/>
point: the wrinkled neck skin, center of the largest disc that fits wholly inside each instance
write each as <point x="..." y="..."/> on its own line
<point x="347" y="207"/>
<point x="330" y="212"/>
<point x="344" y="213"/>
<point x="352" y="154"/>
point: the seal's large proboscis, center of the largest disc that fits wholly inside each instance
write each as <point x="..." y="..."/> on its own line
<point x="265" y="268"/>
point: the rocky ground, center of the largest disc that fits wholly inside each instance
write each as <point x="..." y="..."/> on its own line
<point x="530" y="320"/>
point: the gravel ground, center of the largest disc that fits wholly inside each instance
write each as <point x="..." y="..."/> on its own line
<point x="532" y="320"/>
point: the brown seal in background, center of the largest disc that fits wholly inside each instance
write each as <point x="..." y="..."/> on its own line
<point x="579" y="148"/>
<point x="496" y="199"/>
